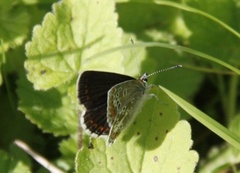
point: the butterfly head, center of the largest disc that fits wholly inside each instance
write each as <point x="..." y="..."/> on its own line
<point x="144" y="78"/>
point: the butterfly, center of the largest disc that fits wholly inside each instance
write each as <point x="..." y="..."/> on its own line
<point x="111" y="101"/>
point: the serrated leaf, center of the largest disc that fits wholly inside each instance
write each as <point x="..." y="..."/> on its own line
<point x="66" y="39"/>
<point x="75" y="31"/>
<point x="155" y="142"/>
<point x="50" y="110"/>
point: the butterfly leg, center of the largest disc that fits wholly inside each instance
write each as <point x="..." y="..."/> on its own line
<point x="151" y="95"/>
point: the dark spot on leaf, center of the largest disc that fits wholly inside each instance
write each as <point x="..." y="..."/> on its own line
<point x="156" y="138"/>
<point x="155" y="158"/>
<point x="42" y="72"/>
<point x="178" y="168"/>
<point x="166" y="131"/>
<point x="150" y="120"/>
<point x="160" y="113"/>
<point x="138" y="133"/>
<point x="112" y="158"/>
<point x="90" y="146"/>
<point x="134" y="122"/>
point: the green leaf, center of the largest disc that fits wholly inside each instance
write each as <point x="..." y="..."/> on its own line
<point x="74" y="31"/>
<point x="58" y="49"/>
<point x="160" y="24"/>
<point x="133" y="57"/>
<point x="50" y="110"/>
<point x="155" y="142"/>
<point x="153" y="16"/>
<point x="210" y="40"/>
<point x="206" y="120"/>
<point x="184" y="49"/>
<point x="235" y="128"/>
<point x="13" y="26"/>
<point x="2" y="61"/>
<point x="235" y="124"/>
<point x="68" y="150"/>
<point x="13" y="163"/>
<point x="220" y="159"/>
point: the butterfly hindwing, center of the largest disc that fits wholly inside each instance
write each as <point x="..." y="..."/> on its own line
<point x="123" y="101"/>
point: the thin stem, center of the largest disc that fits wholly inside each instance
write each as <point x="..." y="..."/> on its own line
<point x="221" y="87"/>
<point x="41" y="160"/>
<point x="232" y="96"/>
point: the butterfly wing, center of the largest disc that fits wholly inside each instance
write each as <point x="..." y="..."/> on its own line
<point x="93" y="87"/>
<point x="123" y="101"/>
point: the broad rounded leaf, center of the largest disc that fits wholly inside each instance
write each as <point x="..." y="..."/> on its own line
<point x="155" y="142"/>
<point x="68" y="36"/>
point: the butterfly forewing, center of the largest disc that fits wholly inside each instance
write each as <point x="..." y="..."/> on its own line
<point x="123" y="101"/>
<point x="93" y="87"/>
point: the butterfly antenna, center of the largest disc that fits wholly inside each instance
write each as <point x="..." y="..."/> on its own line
<point x="166" y="69"/>
<point x="135" y="56"/>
